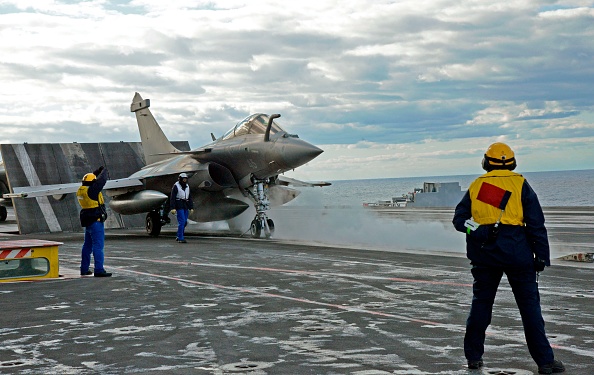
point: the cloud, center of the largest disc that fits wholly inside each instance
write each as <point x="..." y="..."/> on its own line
<point x="406" y="74"/>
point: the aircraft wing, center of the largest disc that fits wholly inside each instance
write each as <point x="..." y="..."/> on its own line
<point x="197" y="151"/>
<point x="61" y="189"/>
<point x="283" y="180"/>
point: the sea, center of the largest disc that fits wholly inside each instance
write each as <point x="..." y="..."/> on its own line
<point x="554" y="188"/>
<point x="334" y="215"/>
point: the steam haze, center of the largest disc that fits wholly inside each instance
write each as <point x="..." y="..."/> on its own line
<point x="309" y="221"/>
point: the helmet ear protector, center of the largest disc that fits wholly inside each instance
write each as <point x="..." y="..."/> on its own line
<point x="490" y="164"/>
<point x="499" y="156"/>
<point x="88" y="179"/>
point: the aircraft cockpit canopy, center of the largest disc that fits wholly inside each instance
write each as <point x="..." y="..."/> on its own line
<point x="254" y="124"/>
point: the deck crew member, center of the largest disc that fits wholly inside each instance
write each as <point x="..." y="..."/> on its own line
<point x="92" y="216"/>
<point x="505" y="233"/>
<point x="181" y="203"/>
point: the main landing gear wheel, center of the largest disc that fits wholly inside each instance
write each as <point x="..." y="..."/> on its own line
<point x="153" y="223"/>
<point x="3" y="213"/>
<point x="155" y="220"/>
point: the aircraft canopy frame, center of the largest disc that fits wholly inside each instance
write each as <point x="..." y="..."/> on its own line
<point x="253" y="124"/>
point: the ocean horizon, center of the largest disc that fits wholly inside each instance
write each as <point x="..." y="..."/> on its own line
<point x="554" y="188"/>
<point x="334" y="215"/>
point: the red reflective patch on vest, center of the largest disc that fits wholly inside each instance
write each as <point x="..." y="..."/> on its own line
<point x="493" y="195"/>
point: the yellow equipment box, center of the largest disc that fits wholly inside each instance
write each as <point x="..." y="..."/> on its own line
<point x="22" y="260"/>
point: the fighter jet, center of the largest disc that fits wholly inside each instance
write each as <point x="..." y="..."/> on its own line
<point x="245" y="164"/>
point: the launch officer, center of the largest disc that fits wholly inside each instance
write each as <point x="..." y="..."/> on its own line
<point x="181" y="203"/>
<point x="505" y="233"/>
<point x="92" y="216"/>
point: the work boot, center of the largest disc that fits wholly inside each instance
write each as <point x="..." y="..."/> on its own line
<point x="182" y="241"/>
<point x="88" y="273"/>
<point x="103" y="274"/>
<point x="474" y="365"/>
<point x="551" y="368"/>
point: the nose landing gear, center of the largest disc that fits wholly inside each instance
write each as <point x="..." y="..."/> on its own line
<point x="261" y="220"/>
<point x="258" y="224"/>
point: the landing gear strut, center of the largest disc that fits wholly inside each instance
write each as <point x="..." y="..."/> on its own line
<point x="261" y="220"/>
<point x="155" y="220"/>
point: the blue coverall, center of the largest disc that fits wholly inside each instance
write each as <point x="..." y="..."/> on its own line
<point x="512" y="252"/>
<point x="182" y="207"/>
<point x="94" y="229"/>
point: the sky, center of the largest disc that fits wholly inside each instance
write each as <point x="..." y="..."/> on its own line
<point x="386" y="88"/>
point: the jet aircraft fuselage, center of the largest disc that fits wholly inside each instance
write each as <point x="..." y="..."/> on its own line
<point x="249" y="155"/>
<point x="246" y="162"/>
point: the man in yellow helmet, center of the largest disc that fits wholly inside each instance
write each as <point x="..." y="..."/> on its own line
<point x="92" y="216"/>
<point x="505" y="233"/>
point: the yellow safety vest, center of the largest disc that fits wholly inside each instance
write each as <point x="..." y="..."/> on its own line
<point x="85" y="202"/>
<point x="484" y="213"/>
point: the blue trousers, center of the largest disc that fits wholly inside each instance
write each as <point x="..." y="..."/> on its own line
<point x="94" y="241"/>
<point x="182" y="221"/>
<point x="525" y="289"/>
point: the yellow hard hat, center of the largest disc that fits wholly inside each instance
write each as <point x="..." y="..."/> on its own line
<point x="499" y="156"/>
<point x="89" y="177"/>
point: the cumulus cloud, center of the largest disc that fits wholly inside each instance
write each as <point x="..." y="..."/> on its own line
<point x="433" y="78"/>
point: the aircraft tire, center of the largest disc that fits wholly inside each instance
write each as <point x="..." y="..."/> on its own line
<point x="271" y="227"/>
<point x="153" y="223"/>
<point x="3" y="213"/>
<point x="256" y="228"/>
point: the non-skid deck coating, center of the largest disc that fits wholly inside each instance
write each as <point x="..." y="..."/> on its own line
<point x="220" y="305"/>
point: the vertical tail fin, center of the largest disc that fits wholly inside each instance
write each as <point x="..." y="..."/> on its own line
<point x="154" y="141"/>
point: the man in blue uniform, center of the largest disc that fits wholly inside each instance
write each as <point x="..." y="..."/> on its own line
<point x="505" y="233"/>
<point x="181" y="203"/>
<point x="92" y="216"/>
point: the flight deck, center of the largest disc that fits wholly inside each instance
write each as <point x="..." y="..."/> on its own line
<point x="227" y="305"/>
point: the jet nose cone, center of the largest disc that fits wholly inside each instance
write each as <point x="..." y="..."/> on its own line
<point x="299" y="152"/>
